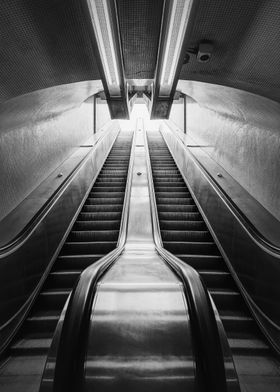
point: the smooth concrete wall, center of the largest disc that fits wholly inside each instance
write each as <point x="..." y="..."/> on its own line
<point x="102" y="113"/>
<point x="241" y="132"/>
<point x="38" y="132"/>
<point x="177" y="113"/>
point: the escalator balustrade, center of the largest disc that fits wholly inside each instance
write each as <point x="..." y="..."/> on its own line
<point x="185" y="234"/>
<point x="93" y="235"/>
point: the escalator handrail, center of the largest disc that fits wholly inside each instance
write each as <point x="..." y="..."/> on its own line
<point x="209" y="349"/>
<point x="25" y="233"/>
<point x="248" y="226"/>
<point x="71" y="350"/>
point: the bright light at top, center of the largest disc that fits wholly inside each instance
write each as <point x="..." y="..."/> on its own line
<point x="178" y="22"/>
<point x="102" y="27"/>
<point x="139" y="110"/>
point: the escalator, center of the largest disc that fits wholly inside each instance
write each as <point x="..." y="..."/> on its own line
<point x="94" y="234"/>
<point x="185" y="234"/>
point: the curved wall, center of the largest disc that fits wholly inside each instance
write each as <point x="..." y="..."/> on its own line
<point x="241" y="132"/>
<point x="38" y="132"/>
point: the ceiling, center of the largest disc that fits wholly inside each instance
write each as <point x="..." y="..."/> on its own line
<point x="46" y="43"/>
<point x="43" y="43"/>
<point x="246" y="38"/>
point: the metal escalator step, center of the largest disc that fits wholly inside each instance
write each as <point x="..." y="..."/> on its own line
<point x="238" y="324"/>
<point x="192" y="216"/>
<point x="202" y="247"/>
<point x="96" y="225"/>
<point x="170" y="189"/>
<point x="41" y="324"/>
<point x="110" y="176"/>
<point x="64" y="279"/>
<point x="174" y="195"/>
<point x="226" y="299"/>
<point x="93" y="235"/>
<point x="53" y="299"/>
<point x="182" y="225"/>
<point x="106" y="195"/>
<point x="31" y="346"/>
<point x="76" y="262"/>
<point x="175" y="200"/>
<point x="177" y="210"/>
<point x="115" y="172"/>
<point x="93" y="201"/>
<point x="217" y="279"/>
<point x="248" y="346"/>
<point x="89" y="214"/>
<point x="168" y="181"/>
<point x="110" y="182"/>
<point x="189" y="235"/>
<point x="168" y="173"/>
<point x="109" y="189"/>
<point x="97" y="199"/>
<point x="107" y="208"/>
<point x="86" y="248"/>
<point x="205" y="262"/>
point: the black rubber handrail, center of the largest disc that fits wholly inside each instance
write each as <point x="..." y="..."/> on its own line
<point x="24" y="234"/>
<point x="209" y="355"/>
<point x="69" y="368"/>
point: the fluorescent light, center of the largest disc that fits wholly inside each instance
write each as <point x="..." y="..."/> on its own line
<point x="178" y="22"/>
<point x="99" y="13"/>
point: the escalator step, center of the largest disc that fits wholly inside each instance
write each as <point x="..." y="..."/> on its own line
<point x="53" y="299"/>
<point x="62" y="279"/>
<point x="87" y="248"/>
<point x="106" y="208"/>
<point x="109" y="189"/>
<point x="106" y="195"/>
<point x="175" y="195"/>
<point x="88" y="214"/>
<point x="203" y="262"/>
<point x="96" y="225"/>
<point x="182" y="225"/>
<point x="172" y="200"/>
<point x="190" y="235"/>
<point x="171" y="189"/>
<point x="107" y="204"/>
<point x="76" y="262"/>
<point x="226" y="299"/>
<point x="31" y="346"/>
<point x="93" y="235"/>
<point x="41" y="324"/>
<point x="180" y="216"/>
<point x="170" y="209"/>
<point x="217" y="279"/>
<point x="202" y="247"/>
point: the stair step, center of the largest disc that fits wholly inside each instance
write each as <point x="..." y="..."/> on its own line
<point x="62" y="279"/>
<point x="226" y="299"/>
<point x="31" y="346"/>
<point x="217" y="279"/>
<point x="248" y="346"/>
<point x="96" y="225"/>
<point x="199" y="247"/>
<point x="205" y="262"/>
<point x="53" y="299"/>
<point x="176" y="212"/>
<point x="182" y="225"/>
<point x="93" y="235"/>
<point x="89" y="214"/>
<point x="79" y="262"/>
<point x="187" y="235"/>
<point x="40" y="323"/>
<point x="87" y="248"/>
